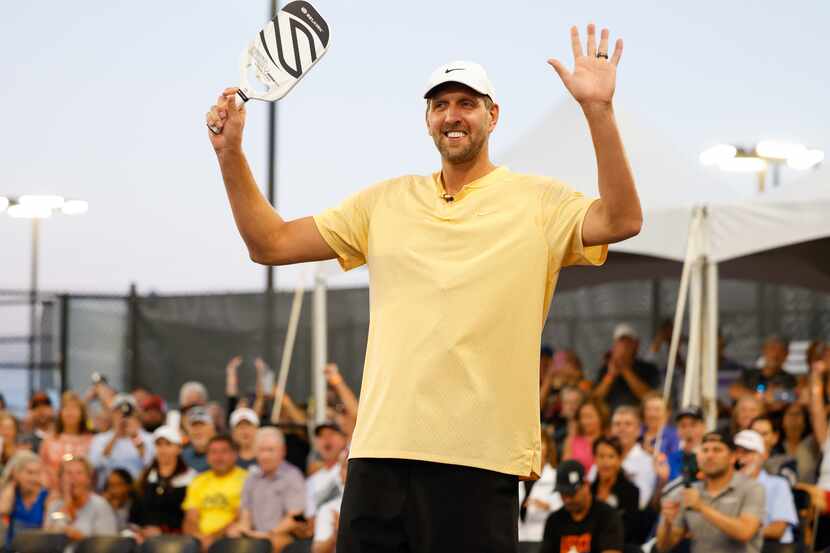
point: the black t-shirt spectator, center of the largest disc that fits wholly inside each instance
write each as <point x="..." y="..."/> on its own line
<point x="245" y="463"/>
<point x="601" y="530"/>
<point x="625" y="497"/>
<point x="755" y="378"/>
<point x="620" y="393"/>
<point x="159" y="500"/>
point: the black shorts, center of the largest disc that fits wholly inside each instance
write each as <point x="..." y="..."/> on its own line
<point x="399" y="505"/>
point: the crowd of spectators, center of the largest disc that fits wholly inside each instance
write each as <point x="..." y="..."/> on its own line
<point x="206" y="469"/>
<point x="638" y="471"/>
<point x="623" y="467"/>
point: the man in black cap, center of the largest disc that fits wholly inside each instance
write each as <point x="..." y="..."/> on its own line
<point x="582" y="525"/>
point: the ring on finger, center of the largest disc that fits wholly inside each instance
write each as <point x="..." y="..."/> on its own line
<point x="602" y="55"/>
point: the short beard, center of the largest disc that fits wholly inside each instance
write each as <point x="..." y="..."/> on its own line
<point x="464" y="155"/>
<point x="716" y="474"/>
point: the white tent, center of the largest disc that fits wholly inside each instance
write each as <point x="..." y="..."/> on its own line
<point x="560" y="146"/>
<point x="783" y="237"/>
<point x="693" y="226"/>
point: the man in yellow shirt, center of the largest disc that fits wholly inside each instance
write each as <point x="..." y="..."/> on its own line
<point x="463" y="264"/>
<point x="212" y="500"/>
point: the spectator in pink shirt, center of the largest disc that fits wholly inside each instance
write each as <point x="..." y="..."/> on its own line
<point x="72" y="437"/>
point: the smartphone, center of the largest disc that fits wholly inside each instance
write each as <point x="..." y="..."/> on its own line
<point x="786" y="396"/>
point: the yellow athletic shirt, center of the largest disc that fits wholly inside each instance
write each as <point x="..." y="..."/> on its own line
<point x="459" y="293"/>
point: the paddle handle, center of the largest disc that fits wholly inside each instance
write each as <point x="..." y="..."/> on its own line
<point x="241" y="99"/>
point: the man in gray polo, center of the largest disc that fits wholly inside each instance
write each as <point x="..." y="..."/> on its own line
<point x="721" y="513"/>
<point x="273" y="495"/>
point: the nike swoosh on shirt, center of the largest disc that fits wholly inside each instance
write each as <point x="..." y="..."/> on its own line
<point x="456" y="69"/>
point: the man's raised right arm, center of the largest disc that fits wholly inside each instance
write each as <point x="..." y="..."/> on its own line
<point x="270" y="239"/>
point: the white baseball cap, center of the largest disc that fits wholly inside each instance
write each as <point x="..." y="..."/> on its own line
<point x="624" y="330"/>
<point x="467" y="73"/>
<point x="244" y="414"/>
<point x="169" y="433"/>
<point x="750" y="440"/>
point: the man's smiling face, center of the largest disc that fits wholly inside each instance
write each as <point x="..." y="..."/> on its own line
<point x="460" y="122"/>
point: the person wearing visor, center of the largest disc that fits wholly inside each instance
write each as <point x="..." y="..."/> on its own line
<point x="161" y="489"/>
<point x="724" y="512"/>
<point x="781" y="516"/>
<point x="583" y="524"/>
<point x="462" y="262"/>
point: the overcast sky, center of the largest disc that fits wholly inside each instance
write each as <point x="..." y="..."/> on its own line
<point x="104" y="100"/>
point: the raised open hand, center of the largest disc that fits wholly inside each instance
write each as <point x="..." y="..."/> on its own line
<point x="594" y="75"/>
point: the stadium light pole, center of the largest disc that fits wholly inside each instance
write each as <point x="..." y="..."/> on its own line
<point x="269" y="326"/>
<point x="35" y="208"/>
<point x="760" y="157"/>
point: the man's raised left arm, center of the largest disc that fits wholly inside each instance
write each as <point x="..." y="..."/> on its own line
<point x="617" y="214"/>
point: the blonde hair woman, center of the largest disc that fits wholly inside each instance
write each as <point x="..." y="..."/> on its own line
<point x="23" y="496"/>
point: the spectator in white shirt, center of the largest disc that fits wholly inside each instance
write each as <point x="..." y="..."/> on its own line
<point x="126" y="446"/>
<point x="327" y="521"/>
<point x="780" y="517"/>
<point x="542" y="499"/>
<point x="637" y="464"/>
<point x="322" y="485"/>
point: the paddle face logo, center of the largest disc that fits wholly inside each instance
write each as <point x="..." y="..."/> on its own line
<point x="301" y="27"/>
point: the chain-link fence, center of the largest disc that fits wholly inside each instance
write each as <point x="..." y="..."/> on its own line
<point x="160" y="342"/>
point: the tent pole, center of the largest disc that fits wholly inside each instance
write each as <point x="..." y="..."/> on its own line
<point x="319" y="340"/>
<point x="287" y="350"/>
<point x="680" y="309"/>
<point x="710" y="358"/>
<point x="681" y="306"/>
<point x="691" y="386"/>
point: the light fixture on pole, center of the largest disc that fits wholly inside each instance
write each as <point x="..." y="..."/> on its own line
<point x="760" y="158"/>
<point x="37" y="207"/>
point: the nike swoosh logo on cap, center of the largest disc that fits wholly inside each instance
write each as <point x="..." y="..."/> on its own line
<point x="455" y="69"/>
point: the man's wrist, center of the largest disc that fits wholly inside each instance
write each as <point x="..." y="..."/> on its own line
<point x="592" y="109"/>
<point x="234" y="153"/>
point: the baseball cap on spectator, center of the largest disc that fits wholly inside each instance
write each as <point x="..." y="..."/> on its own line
<point x="199" y="414"/>
<point x="570" y="475"/>
<point x="169" y="433"/>
<point x="39" y="399"/>
<point x="750" y="440"/>
<point x="625" y="330"/>
<point x="718" y="437"/>
<point x="692" y="411"/>
<point x="328" y="424"/>
<point x="153" y="402"/>
<point x="244" y="414"/>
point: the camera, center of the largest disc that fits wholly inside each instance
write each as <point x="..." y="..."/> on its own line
<point x="126" y="408"/>
<point x="98" y="378"/>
